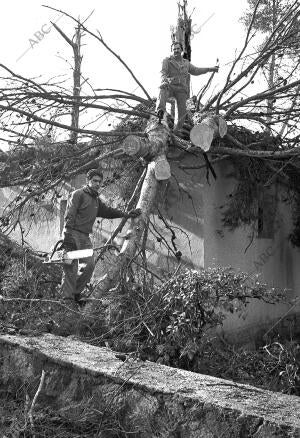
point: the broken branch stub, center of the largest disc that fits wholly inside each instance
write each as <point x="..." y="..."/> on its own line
<point x="162" y="168"/>
<point x="210" y="128"/>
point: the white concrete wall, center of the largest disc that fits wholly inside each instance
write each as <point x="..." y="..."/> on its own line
<point x="273" y="259"/>
<point x="42" y="230"/>
<point x="184" y="206"/>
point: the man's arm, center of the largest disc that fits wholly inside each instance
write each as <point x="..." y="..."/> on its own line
<point x="113" y="213"/>
<point x="72" y="208"/>
<point x="196" y="71"/>
<point x="108" y="212"/>
<point x="69" y="243"/>
<point x="165" y="80"/>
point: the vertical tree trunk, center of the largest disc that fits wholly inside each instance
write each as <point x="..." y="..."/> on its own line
<point x="158" y="135"/>
<point x="76" y="77"/>
<point x="76" y="84"/>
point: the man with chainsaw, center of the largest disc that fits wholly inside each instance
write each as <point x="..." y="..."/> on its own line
<point x="175" y="83"/>
<point x="83" y="207"/>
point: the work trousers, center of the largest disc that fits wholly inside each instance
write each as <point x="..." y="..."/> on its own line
<point x="72" y="283"/>
<point x="180" y="96"/>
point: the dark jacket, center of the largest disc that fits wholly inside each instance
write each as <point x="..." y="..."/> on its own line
<point x="83" y="207"/>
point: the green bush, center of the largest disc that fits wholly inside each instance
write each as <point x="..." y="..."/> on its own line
<point x="173" y="323"/>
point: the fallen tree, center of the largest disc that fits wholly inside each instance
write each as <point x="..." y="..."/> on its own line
<point x="158" y="169"/>
<point x="140" y="142"/>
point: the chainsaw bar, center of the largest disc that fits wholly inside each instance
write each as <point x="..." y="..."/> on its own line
<point x="63" y="257"/>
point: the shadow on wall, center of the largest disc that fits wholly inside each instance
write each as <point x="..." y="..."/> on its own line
<point x="265" y="254"/>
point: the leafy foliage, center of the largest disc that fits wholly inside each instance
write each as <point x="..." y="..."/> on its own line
<point x="253" y="180"/>
<point x="242" y="204"/>
<point x="175" y="323"/>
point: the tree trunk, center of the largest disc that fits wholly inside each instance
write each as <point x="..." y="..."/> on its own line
<point x="76" y="78"/>
<point x="76" y="84"/>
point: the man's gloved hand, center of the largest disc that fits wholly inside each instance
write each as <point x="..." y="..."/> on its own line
<point x="133" y="213"/>
<point x="215" y="69"/>
<point x="160" y="113"/>
<point x="69" y="243"/>
<point x="166" y="82"/>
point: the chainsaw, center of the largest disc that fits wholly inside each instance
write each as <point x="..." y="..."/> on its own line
<point x="60" y="256"/>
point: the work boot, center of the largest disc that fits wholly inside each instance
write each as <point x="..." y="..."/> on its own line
<point x="80" y="299"/>
<point x="160" y="114"/>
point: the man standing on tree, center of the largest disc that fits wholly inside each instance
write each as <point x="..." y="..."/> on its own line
<point x="175" y="82"/>
<point x="83" y="207"/>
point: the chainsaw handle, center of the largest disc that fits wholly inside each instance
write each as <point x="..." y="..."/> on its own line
<point x="55" y="247"/>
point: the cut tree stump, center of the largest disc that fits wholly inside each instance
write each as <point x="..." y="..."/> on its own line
<point x="210" y="128"/>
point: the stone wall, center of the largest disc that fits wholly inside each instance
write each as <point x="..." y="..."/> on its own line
<point x="149" y="400"/>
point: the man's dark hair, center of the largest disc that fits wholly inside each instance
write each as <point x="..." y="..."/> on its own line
<point x="177" y="42"/>
<point x="94" y="172"/>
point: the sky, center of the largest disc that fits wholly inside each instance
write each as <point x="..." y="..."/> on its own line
<point x="138" y="30"/>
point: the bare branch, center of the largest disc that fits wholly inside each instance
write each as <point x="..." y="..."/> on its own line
<point x="99" y="38"/>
